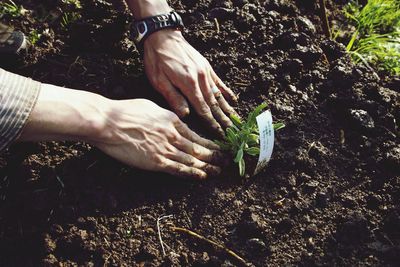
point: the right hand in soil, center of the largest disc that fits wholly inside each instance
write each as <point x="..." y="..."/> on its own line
<point x="136" y="132"/>
<point x="180" y="72"/>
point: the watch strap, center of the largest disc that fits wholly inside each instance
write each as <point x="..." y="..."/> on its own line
<point x="142" y="29"/>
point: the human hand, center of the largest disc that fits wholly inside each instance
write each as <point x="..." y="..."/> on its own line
<point x="136" y="132"/>
<point x="177" y="70"/>
<point x="142" y="134"/>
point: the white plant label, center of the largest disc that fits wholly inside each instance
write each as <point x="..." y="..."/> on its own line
<point x="266" y="130"/>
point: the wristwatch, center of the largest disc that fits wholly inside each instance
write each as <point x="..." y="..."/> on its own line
<point x="141" y="29"/>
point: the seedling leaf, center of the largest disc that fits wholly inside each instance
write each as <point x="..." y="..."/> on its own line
<point x="253" y="151"/>
<point x="278" y="126"/>
<point x="236" y="120"/>
<point x="242" y="167"/>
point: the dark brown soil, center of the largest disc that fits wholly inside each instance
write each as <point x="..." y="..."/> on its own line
<point x="331" y="193"/>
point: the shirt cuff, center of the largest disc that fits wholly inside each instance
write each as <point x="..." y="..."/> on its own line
<point x="18" y="96"/>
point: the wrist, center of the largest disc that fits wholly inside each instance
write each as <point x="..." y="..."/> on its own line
<point x="65" y="114"/>
<point x="162" y="36"/>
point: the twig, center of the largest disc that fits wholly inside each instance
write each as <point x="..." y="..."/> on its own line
<point x="324" y="18"/>
<point x="219" y="246"/>
<point x="159" y="232"/>
<point x="216" y="24"/>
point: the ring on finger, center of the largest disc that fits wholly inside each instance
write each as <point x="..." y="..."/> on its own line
<point x="216" y="92"/>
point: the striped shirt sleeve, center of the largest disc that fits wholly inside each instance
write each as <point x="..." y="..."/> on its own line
<point x="18" y="96"/>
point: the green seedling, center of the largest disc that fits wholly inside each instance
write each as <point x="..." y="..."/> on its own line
<point x="377" y="36"/>
<point x="244" y="137"/>
<point x="12" y="9"/>
<point x="68" y="18"/>
<point x="34" y="36"/>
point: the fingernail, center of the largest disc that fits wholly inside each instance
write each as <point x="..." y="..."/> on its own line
<point x="183" y="112"/>
<point x="235" y="98"/>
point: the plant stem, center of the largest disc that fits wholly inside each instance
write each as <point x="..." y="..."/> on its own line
<point x="324" y="18"/>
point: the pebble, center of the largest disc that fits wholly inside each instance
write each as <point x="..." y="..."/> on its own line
<point x="306" y="25"/>
<point x="361" y="118"/>
<point x="256" y="245"/>
<point x="292" y="88"/>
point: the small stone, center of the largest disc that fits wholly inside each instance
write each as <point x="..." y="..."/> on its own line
<point x="256" y="245"/>
<point x="306" y="25"/>
<point x="361" y="118"/>
<point x="292" y="88"/>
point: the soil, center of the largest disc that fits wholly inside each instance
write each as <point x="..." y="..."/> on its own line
<point x="330" y="195"/>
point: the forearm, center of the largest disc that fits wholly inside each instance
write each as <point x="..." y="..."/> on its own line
<point x="64" y="114"/>
<point x="148" y="8"/>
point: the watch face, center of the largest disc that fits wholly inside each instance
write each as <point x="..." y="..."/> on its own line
<point x="139" y="30"/>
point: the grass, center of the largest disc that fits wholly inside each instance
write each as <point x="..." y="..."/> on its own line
<point x="12" y="9"/>
<point x="243" y="137"/>
<point x="377" y="35"/>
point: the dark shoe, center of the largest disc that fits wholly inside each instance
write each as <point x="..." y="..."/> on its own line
<point x="11" y="41"/>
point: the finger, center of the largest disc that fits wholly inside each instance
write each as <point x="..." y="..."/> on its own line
<point x="190" y="87"/>
<point x="177" y="102"/>
<point x="191" y="161"/>
<point x="186" y="132"/>
<point x="178" y="169"/>
<point x="206" y="84"/>
<point x="227" y="92"/>
<point x="198" y="151"/>
<point x="225" y="105"/>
